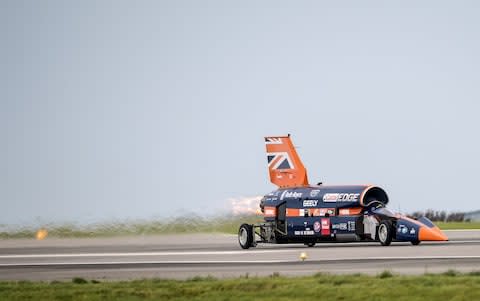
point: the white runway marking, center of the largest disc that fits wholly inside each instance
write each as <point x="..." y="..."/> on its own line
<point x="129" y="254"/>
<point x="326" y="260"/>
<point x="190" y="253"/>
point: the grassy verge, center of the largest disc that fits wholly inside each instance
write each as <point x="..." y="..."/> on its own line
<point x="385" y="286"/>
<point x="190" y="224"/>
<point x="458" y="225"/>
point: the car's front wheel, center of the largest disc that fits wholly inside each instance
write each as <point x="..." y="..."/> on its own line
<point x="385" y="233"/>
<point x="245" y="236"/>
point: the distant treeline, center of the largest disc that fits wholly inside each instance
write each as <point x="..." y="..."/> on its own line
<point x="440" y="216"/>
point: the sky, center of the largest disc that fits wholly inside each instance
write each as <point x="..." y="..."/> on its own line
<point x="149" y="109"/>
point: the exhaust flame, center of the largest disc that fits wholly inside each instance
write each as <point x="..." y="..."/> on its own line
<point x="246" y="205"/>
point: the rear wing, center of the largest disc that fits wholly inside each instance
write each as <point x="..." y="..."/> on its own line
<point x="284" y="165"/>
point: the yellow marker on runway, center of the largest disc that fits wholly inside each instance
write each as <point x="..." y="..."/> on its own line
<point x="41" y="234"/>
<point x="303" y="256"/>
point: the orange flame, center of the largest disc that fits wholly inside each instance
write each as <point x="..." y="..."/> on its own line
<point x="246" y="205"/>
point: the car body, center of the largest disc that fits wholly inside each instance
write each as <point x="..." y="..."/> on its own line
<point x="298" y="212"/>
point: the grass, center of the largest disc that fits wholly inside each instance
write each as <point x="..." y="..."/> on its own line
<point x="385" y="286"/>
<point x="190" y="224"/>
<point x="458" y="225"/>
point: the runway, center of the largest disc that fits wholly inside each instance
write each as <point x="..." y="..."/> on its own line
<point x="218" y="255"/>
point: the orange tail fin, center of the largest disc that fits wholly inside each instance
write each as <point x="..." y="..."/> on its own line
<point x="284" y="165"/>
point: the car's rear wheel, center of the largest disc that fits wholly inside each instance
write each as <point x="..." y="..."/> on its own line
<point x="310" y="244"/>
<point x="415" y="242"/>
<point x="245" y="236"/>
<point x="385" y="233"/>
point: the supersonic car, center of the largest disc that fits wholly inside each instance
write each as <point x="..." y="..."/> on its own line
<point x="298" y="212"/>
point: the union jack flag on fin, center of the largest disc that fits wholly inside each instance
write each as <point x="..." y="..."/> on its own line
<point x="280" y="160"/>
<point x="273" y="140"/>
<point x="284" y="165"/>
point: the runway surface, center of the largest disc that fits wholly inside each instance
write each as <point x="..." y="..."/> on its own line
<point x="218" y="255"/>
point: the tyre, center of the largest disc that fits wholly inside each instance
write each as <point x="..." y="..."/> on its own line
<point x="385" y="232"/>
<point x="245" y="236"/>
<point x="310" y="244"/>
<point x="415" y="242"/>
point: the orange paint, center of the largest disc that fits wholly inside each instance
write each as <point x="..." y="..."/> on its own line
<point x="270" y="211"/>
<point x="283" y="150"/>
<point x="431" y="234"/>
<point x="425" y="233"/>
<point x="292" y="212"/>
<point x="350" y="211"/>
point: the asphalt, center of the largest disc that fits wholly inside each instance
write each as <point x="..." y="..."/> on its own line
<point x="219" y="255"/>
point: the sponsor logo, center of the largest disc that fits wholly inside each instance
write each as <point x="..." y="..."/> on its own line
<point x="310" y="203"/>
<point x="341" y="197"/>
<point x="330" y="197"/>
<point x="325" y="226"/>
<point x="314" y="193"/>
<point x="327" y="211"/>
<point x="310" y="212"/>
<point x="303" y="232"/>
<point x="324" y="211"/>
<point x="274" y="193"/>
<point x="317" y="227"/>
<point x="290" y="194"/>
<point x="339" y="226"/>
<point x="351" y="226"/>
<point x="402" y="229"/>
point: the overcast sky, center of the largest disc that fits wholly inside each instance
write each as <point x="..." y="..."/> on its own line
<point x="141" y="109"/>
